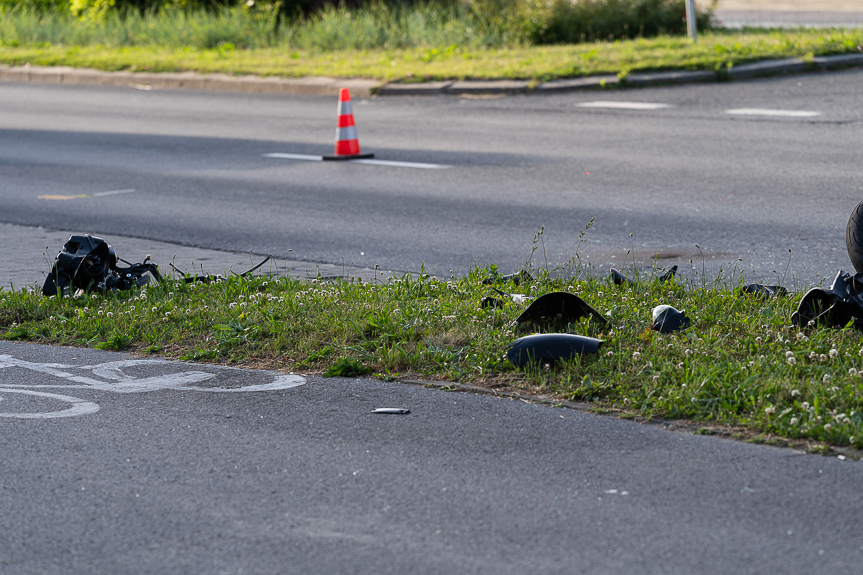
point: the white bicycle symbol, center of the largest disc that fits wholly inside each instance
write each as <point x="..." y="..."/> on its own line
<point x="113" y="378"/>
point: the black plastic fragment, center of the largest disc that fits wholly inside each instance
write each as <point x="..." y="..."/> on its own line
<point x="558" y="308"/>
<point x="516" y="278"/>
<point x="763" y="290"/>
<point x="667" y="276"/>
<point x="391" y="410"/>
<point x="89" y="263"/>
<point x="487" y="302"/>
<point x="208" y="278"/>
<point x="620" y="279"/>
<point x="836" y="306"/>
<point x="667" y="319"/>
<point x="550" y="348"/>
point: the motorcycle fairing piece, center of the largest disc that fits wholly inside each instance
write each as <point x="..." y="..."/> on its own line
<point x="667" y="319"/>
<point x="619" y="279"/>
<point x="558" y="307"/>
<point x="836" y="306"/>
<point x="550" y="348"/>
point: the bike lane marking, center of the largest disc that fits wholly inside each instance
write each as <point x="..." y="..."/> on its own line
<point x="79" y="406"/>
<point x="120" y="382"/>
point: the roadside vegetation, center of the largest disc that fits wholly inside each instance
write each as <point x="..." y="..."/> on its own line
<point x="422" y="41"/>
<point x="740" y="364"/>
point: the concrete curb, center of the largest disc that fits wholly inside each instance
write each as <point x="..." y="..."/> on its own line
<point x="757" y="69"/>
<point x="314" y="86"/>
<point x="326" y="86"/>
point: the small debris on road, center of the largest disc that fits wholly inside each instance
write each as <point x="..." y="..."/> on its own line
<point x="391" y="410"/>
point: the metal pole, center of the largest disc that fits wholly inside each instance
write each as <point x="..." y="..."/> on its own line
<point x="690" y="20"/>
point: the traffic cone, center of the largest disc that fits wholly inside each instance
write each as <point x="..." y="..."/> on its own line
<point x="347" y="144"/>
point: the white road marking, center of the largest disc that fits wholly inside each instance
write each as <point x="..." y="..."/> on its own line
<point x="112" y="193"/>
<point x="389" y="163"/>
<point x="113" y="378"/>
<point x="79" y="406"/>
<point x="401" y="164"/>
<point x="79" y="196"/>
<point x="295" y="157"/>
<point x="624" y="105"/>
<point x="769" y="112"/>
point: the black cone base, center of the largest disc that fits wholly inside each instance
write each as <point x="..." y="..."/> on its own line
<point x="348" y="157"/>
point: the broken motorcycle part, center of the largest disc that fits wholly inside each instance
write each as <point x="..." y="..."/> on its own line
<point x="514" y="297"/>
<point x="391" y="410"/>
<point x="550" y="348"/>
<point x="836" y="306"/>
<point x="763" y="290"/>
<point x="89" y="263"/>
<point x="515" y="278"/>
<point x="619" y="279"/>
<point x="666" y="319"/>
<point x="558" y="308"/>
<point x="854" y="237"/>
<point x="207" y="278"/>
<point x="490" y="302"/>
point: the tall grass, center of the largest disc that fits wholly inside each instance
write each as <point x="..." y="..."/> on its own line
<point x="468" y="23"/>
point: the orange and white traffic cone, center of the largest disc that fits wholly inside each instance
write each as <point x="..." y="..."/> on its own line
<point x="347" y="144"/>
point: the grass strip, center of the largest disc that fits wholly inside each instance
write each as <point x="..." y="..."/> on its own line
<point x="715" y="51"/>
<point x="741" y="364"/>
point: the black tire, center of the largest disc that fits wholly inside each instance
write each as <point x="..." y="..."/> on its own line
<point x="854" y="237"/>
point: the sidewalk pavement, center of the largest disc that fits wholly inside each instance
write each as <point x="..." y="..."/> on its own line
<point x="790" y="13"/>
<point x="30" y="252"/>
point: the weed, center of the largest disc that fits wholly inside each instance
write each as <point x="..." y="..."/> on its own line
<point x="347" y="367"/>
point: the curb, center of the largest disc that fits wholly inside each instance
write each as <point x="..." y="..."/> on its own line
<point x="310" y="86"/>
<point x="745" y="71"/>
<point x="326" y="86"/>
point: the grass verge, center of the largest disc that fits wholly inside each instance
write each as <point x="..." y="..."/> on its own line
<point x="715" y="51"/>
<point x="741" y="364"/>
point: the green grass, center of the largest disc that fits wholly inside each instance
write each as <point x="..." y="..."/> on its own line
<point x="741" y="364"/>
<point x="427" y="43"/>
<point x="715" y="51"/>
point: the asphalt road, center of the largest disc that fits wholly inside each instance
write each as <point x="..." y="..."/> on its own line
<point x="153" y="472"/>
<point x="660" y="180"/>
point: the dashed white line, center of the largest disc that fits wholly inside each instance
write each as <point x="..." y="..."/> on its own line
<point x="770" y="112"/>
<point x="389" y="163"/>
<point x="624" y="105"/>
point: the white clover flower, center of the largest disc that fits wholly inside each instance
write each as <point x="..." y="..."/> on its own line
<point x="770" y="410"/>
<point x="805" y="405"/>
<point x="852" y="372"/>
<point x="636" y="355"/>
<point x="265" y="284"/>
<point x="789" y="354"/>
<point x="51" y="318"/>
<point x="155" y="309"/>
<point x="822" y="357"/>
<point x="758" y="340"/>
<point x="827" y="427"/>
<point x="609" y="353"/>
<point x="101" y="312"/>
<point x="791" y="361"/>
<point x="109" y="314"/>
<point x="655" y="378"/>
<point x="625" y="401"/>
<point x="232" y="305"/>
<point x="826" y="378"/>
<point x="793" y="421"/>
<point x="813" y="356"/>
<point x="192" y="286"/>
<point x="680" y="365"/>
<point x="760" y="357"/>
<point x="167" y="313"/>
<point x="94" y="296"/>
<point x="795" y="392"/>
<point x="687" y="351"/>
<point x="834" y="353"/>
